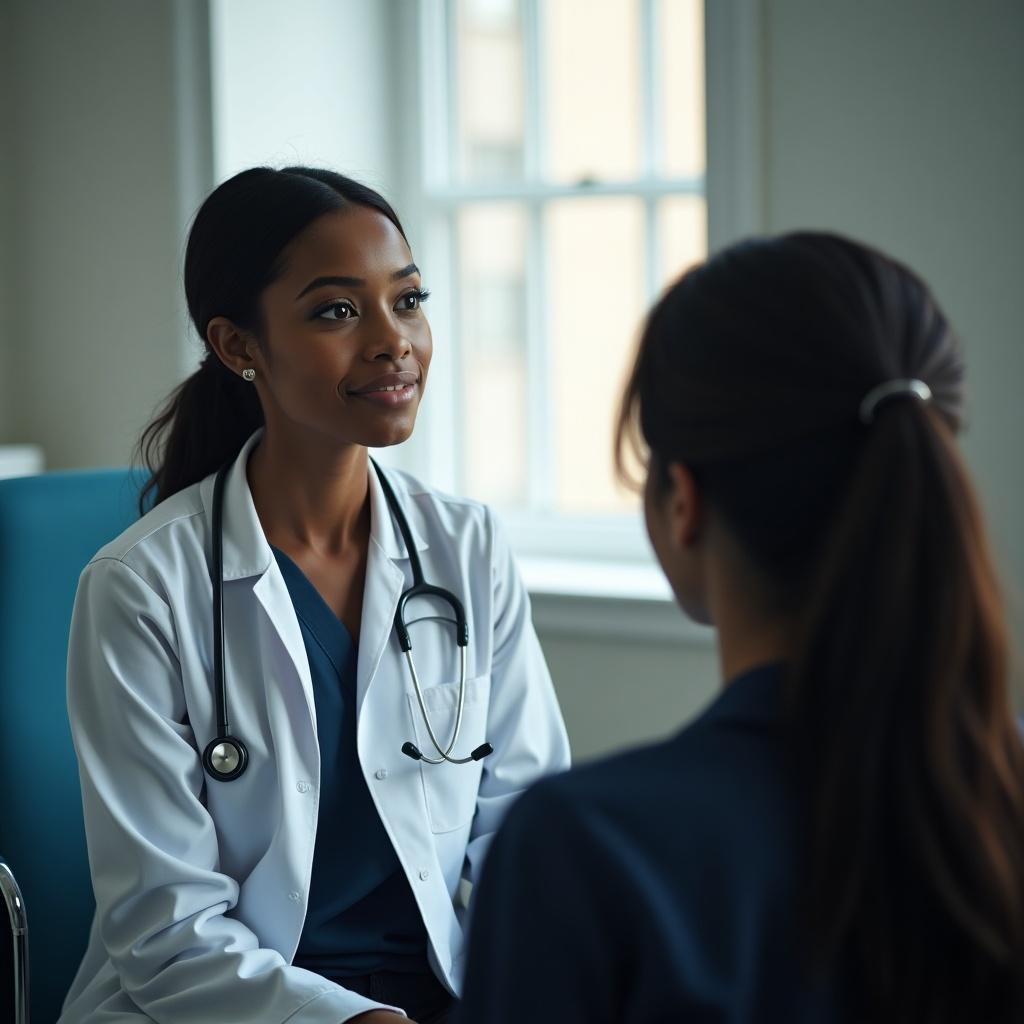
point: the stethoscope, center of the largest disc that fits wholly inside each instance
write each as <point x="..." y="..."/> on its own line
<point x="225" y="756"/>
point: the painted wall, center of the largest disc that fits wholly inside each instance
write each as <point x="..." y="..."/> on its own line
<point x="6" y="216"/>
<point x="94" y="337"/>
<point x="903" y="124"/>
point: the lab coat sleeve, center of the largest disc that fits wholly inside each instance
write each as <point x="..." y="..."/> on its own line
<point x="163" y="906"/>
<point x="524" y="722"/>
<point x="540" y="943"/>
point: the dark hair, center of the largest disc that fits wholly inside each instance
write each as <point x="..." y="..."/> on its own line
<point x="233" y="254"/>
<point x="751" y="371"/>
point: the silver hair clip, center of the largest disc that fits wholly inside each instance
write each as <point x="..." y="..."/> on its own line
<point x="911" y="388"/>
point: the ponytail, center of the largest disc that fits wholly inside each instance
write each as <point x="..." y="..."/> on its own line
<point x="234" y="252"/>
<point x="907" y="758"/>
<point x="202" y="425"/>
<point x="907" y="753"/>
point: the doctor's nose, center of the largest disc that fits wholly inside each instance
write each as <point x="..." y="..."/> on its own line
<point x="389" y="342"/>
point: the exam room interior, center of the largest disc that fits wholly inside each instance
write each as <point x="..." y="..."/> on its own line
<point x="900" y="122"/>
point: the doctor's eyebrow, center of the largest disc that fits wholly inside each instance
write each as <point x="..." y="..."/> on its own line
<point x="354" y="282"/>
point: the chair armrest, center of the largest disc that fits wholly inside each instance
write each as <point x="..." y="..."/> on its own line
<point x="19" y="935"/>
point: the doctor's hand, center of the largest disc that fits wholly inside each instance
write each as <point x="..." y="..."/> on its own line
<point x="379" y="1017"/>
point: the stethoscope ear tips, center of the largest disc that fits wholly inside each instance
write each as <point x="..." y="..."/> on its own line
<point x="411" y="750"/>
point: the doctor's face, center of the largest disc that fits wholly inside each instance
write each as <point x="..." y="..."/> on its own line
<point x="345" y="345"/>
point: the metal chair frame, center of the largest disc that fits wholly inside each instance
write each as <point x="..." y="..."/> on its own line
<point x="19" y="940"/>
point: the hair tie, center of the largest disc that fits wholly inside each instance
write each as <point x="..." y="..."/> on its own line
<point x="898" y="388"/>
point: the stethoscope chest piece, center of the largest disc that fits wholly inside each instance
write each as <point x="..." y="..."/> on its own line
<point x="225" y="758"/>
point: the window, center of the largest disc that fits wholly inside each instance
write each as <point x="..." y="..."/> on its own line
<point x="564" y="190"/>
<point x="548" y="161"/>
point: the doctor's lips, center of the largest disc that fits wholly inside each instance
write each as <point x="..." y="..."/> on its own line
<point x="391" y="389"/>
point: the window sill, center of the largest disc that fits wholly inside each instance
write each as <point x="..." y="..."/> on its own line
<point x="621" y="600"/>
<point x="20" y="460"/>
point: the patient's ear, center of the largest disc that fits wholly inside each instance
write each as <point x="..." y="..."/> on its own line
<point x="685" y="506"/>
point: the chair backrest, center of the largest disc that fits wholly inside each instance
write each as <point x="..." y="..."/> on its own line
<point x="50" y="526"/>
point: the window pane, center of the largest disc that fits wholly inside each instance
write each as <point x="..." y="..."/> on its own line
<point x="681" y="37"/>
<point x="591" y="79"/>
<point x="683" y="225"/>
<point x="595" y="299"/>
<point x="492" y="298"/>
<point x="489" y="88"/>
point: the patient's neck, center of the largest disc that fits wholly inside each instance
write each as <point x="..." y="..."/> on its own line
<point x="750" y="632"/>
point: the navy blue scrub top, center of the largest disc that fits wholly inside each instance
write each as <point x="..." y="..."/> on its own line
<point x="658" y="885"/>
<point x="362" y="917"/>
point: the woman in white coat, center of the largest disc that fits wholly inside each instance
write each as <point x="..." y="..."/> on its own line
<point x="325" y="882"/>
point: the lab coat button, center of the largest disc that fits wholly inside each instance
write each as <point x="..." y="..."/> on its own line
<point x="302" y="787"/>
<point x="424" y="875"/>
<point x="381" y="773"/>
<point x="295" y="896"/>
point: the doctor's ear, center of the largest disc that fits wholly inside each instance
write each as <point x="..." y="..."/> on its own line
<point x="684" y="505"/>
<point x="234" y="347"/>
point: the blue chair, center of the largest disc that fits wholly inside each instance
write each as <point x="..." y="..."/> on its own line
<point x="50" y="526"/>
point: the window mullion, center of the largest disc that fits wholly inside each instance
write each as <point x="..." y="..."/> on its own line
<point x="539" y="446"/>
<point x="540" y="462"/>
<point x="456" y="437"/>
<point x="650" y="71"/>
<point x="533" y="86"/>
<point x="652" y="249"/>
<point x="453" y="171"/>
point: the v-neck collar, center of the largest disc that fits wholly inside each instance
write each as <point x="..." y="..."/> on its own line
<point x="330" y="633"/>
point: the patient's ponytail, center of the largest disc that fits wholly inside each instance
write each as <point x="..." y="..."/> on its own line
<point x="234" y="252"/>
<point x="865" y="528"/>
<point x="908" y="755"/>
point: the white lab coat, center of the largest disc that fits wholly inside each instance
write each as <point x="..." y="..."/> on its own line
<point x="201" y="886"/>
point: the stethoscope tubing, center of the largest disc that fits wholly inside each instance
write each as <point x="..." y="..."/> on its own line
<point x="226" y="756"/>
<point x="426" y="717"/>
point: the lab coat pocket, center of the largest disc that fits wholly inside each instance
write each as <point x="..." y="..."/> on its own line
<point x="450" y="790"/>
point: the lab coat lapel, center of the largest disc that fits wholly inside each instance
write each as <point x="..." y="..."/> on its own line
<point x="384" y="584"/>
<point x="247" y="554"/>
<point x="283" y="627"/>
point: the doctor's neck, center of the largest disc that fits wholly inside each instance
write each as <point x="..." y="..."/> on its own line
<point x="314" y="494"/>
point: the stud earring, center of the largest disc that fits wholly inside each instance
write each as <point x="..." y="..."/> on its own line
<point x="249" y="374"/>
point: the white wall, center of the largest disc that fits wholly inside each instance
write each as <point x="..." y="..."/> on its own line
<point x="308" y="82"/>
<point x="94" y="338"/>
<point x="615" y="691"/>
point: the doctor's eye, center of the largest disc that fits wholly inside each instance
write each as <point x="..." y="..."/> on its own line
<point x="411" y="301"/>
<point x="336" y="311"/>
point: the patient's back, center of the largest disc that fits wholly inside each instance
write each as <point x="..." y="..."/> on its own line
<point x="656" y="885"/>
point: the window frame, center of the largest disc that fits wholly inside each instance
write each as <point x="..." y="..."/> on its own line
<point x="427" y="198"/>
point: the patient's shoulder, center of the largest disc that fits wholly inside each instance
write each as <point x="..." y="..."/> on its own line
<point x="717" y="795"/>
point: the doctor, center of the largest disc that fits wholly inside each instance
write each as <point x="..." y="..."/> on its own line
<point x="279" y="832"/>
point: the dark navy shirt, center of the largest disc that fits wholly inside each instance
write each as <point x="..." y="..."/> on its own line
<point x="361" y="916"/>
<point x="658" y="885"/>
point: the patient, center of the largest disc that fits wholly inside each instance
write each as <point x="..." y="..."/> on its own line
<point x="840" y="835"/>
